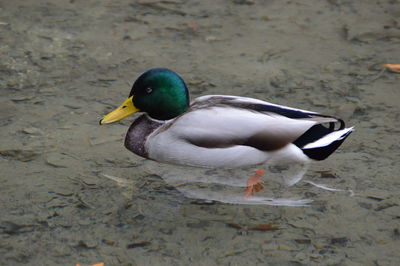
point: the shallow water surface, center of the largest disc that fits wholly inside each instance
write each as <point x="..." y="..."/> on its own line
<point x="71" y="193"/>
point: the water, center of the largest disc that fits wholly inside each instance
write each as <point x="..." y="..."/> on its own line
<point x="71" y="193"/>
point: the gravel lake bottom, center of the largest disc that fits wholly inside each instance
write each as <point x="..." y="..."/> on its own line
<point x="72" y="194"/>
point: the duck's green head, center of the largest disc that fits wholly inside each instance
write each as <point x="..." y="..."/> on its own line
<point x="159" y="92"/>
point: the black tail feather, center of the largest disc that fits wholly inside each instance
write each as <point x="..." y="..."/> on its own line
<point x="321" y="153"/>
<point x="314" y="133"/>
<point x="317" y="132"/>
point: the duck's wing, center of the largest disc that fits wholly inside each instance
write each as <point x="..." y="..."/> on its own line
<point x="256" y="105"/>
<point x="224" y="121"/>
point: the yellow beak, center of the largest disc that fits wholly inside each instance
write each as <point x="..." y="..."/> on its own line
<point x="124" y="110"/>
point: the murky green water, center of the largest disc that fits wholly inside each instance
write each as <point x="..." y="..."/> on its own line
<point x="71" y="193"/>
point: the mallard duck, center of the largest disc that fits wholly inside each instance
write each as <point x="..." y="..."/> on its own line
<point x="221" y="131"/>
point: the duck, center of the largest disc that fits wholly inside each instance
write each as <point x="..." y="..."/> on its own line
<point x="221" y="131"/>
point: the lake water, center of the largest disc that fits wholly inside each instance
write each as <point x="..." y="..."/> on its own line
<point x="72" y="194"/>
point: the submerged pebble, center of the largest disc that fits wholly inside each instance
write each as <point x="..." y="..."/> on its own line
<point x="340" y="240"/>
<point x="22" y="98"/>
<point x="14" y="228"/>
<point x="138" y="244"/>
<point x="32" y="131"/>
<point x="59" y="160"/>
<point x="89" y="244"/>
<point x="303" y="241"/>
<point x="301" y="257"/>
<point x="7" y="113"/>
<point x="20" y="155"/>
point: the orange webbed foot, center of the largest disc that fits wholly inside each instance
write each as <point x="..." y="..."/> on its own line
<point x="254" y="183"/>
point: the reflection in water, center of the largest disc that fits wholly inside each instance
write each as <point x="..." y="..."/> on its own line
<point x="229" y="185"/>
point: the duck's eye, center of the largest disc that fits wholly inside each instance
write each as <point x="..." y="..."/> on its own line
<point x="149" y="90"/>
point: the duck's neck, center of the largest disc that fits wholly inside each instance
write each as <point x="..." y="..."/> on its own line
<point x="138" y="132"/>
